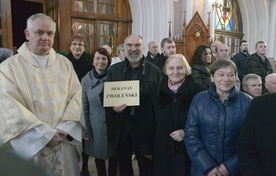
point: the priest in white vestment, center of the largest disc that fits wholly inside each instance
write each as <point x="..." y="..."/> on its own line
<point x="40" y="102"/>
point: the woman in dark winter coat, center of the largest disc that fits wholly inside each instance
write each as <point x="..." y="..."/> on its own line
<point x="79" y="58"/>
<point x="168" y="104"/>
<point x="81" y="63"/>
<point x="96" y="144"/>
<point x="214" y="122"/>
<point x="201" y="60"/>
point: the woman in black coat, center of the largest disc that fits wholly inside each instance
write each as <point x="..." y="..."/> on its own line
<point x="81" y="63"/>
<point x="168" y="105"/>
<point x="79" y="58"/>
<point x="200" y="62"/>
<point x="256" y="144"/>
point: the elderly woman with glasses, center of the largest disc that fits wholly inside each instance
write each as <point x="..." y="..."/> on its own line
<point x="81" y="63"/>
<point x="78" y="56"/>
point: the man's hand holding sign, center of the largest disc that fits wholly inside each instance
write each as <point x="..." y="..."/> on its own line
<point x="121" y="94"/>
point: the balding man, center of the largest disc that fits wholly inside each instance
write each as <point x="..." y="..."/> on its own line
<point x="213" y="47"/>
<point x="41" y="117"/>
<point x="222" y="51"/>
<point x="270" y="83"/>
<point x="123" y="121"/>
<point x="153" y="53"/>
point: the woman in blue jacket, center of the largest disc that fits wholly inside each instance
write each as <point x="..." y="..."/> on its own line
<point x="214" y="122"/>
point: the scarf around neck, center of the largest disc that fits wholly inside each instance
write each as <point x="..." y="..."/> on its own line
<point x="99" y="76"/>
<point x="174" y="87"/>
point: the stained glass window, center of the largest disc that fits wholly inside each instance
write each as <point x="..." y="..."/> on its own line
<point x="228" y="24"/>
<point x="228" y="16"/>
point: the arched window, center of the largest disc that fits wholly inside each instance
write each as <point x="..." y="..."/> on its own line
<point x="103" y="22"/>
<point x="228" y="24"/>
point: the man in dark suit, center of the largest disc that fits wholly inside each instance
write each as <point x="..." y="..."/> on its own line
<point x="257" y="141"/>
<point x="153" y="53"/>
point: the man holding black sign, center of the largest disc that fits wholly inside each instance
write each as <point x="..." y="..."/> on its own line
<point x="123" y="121"/>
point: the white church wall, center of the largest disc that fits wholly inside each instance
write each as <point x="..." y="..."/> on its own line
<point x="151" y="17"/>
<point x="272" y="32"/>
<point x="256" y="23"/>
<point x="136" y="11"/>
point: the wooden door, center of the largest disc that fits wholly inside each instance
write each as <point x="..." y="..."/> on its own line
<point x="103" y="22"/>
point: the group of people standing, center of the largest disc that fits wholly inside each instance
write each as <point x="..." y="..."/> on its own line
<point x="208" y="122"/>
<point x="188" y="121"/>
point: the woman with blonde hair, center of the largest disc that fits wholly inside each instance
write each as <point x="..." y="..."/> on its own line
<point x="162" y="133"/>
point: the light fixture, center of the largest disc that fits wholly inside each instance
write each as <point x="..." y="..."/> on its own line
<point x="170" y="26"/>
<point x="221" y="4"/>
<point x="197" y="34"/>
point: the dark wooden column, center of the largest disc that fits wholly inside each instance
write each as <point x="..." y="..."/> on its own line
<point x="64" y="24"/>
<point x="6" y="24"/>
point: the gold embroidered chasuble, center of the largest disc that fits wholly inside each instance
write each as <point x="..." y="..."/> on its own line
<point x="32" y="97"/>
